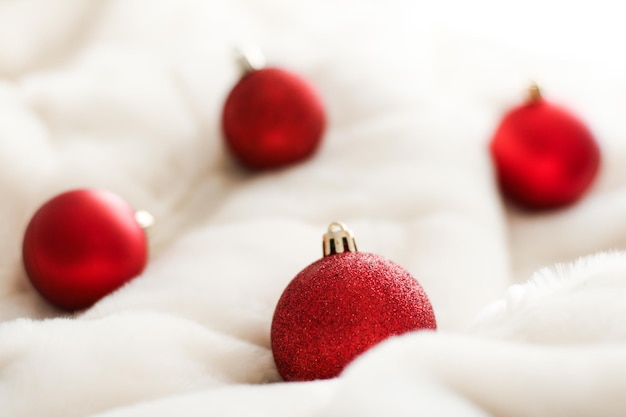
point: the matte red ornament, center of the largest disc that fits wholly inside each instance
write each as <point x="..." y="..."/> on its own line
<point x="272" y="118"/>
<point x="82" y="245"/>
<point x="340" y="306"/>
<point x="545" y="157"/>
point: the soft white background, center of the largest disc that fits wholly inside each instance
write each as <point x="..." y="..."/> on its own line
<point x="126" y="95"/>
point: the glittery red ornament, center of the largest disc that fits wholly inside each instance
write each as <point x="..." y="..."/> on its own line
<point x="81" y="245"/>
<point x="272" y="118"/>
<point x="545" y="157"/>
<point x="340" y="306"/>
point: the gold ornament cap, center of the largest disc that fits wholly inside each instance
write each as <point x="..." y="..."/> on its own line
<point x="533" y="93"/>
<point x="338" y="239"/>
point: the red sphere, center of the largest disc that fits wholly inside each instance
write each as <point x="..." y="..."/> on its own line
<point x="81" y="245"/>
<point x="340" y="306"/>
<point x="545" y="157"/>
<point x="272" y="118"/>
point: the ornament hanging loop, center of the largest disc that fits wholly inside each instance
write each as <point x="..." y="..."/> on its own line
<point x="338" y="239"/>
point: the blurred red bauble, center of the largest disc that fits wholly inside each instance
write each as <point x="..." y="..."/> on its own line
<point x="544" y="156"/>
<point x="272" y="118"/>
<point x="81" y="245"/>
<point x="340" y="306"/>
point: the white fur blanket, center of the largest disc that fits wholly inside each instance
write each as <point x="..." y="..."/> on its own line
<point x="127" y="95"/>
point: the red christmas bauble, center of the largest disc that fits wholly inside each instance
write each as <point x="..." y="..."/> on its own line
<point x="340" y="306"/>
<point x="272" y="118"/>
<point x="81" y="245"/>
<point x="544" y="156"/>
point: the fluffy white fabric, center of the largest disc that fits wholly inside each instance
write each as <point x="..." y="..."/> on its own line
<point x="126" y="96"/>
